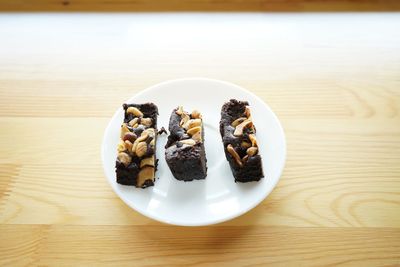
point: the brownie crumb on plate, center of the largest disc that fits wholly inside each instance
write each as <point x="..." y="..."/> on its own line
<point x="162" y="131"/>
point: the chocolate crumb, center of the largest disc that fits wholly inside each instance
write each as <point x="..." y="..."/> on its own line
<point x="161" y="131"/>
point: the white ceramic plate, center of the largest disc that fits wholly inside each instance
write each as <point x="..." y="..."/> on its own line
<point x="217" y="198"/>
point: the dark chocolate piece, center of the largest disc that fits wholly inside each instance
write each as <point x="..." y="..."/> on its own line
<point x="136" y="161"/>
<point x="185" y="153"/>
<point x="162" y="131"/>
<point x="240" y="143"/>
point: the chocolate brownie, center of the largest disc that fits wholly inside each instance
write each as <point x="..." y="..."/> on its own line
<point x="136" y="161"/>
<point x="185" y="153"/>
<point x="240" y="143"/>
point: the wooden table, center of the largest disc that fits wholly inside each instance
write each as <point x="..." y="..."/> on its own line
<point x="200" y="5"/>
<point x="332" y="79"/>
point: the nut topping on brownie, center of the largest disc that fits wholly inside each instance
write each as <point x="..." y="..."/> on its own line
<point x="193" y="126"/>
<point x="244" y="124"/>
<point x="185" y="152"/>
<point x="240" y="143"/>
<point x="136" y="160"/>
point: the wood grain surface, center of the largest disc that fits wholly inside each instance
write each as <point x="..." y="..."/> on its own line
<point x="200" y="5"/>
<point x="332" y="79"/>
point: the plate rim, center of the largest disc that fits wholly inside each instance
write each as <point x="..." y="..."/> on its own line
<point x="209" y="222"/>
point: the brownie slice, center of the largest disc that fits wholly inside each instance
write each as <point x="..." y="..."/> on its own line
<point x="136" y="161"/>
<point x="240" y="143"/>
<point x="185" y="153"/>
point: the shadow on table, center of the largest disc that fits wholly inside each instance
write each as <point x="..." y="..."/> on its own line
<point x="219" y="236"/>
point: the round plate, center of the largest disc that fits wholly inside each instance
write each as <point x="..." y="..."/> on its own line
<point x="217" y="198"/>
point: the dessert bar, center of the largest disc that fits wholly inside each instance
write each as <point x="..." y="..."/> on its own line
<point x="185" y="153"/>
<point x="136" y="161"/>
<point x="239" y="140"/>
